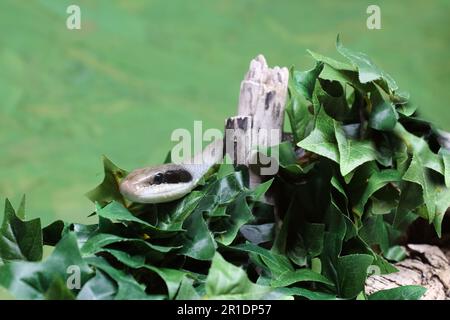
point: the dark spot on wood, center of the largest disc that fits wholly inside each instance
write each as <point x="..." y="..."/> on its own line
<point x="242" y="123"/>
<point x="277" y="110"/>
<point x="269" y="98"/>
<point x="229" y="123"/>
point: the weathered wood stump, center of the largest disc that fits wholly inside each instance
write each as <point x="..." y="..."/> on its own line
<point x="262" y="100"/>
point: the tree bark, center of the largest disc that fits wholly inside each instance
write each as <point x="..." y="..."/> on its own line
<point x="426" y="266"/>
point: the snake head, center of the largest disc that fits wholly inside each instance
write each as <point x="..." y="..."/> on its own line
<point x="157" y="184"/>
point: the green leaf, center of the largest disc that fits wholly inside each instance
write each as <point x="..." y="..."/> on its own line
<point x="374" y="232"/>
<point x="442" y="205"/>
<point x="115" y="211"/>
<point x="276" y="263"/>
<point x="290" y="277"/>
<point x="306" y="293"/>
<point x="97" y="242"/>
<point x="410" y="198"/>
<point x="446" y="158"/>
<point x="32" y="280"/>
<point x="53" y="233"/>
<point x="399" y="293"/>
<point x="19" y="239"/>
<point x="383" y="116"/>
<point x="352" y="153"/>
<point x="171" y="277"/>
<point x="332" y="97"/>
<point x="172" y="215"/>
<point x="198" y="241"/>
<point x="128" y="287"/>
<point x="258" y="233"/>
<point x="238" y="214"/>
<point x="417" y="173"/>
<point x="396" y="253"/>
<point x="352" y="274"/>
<point x="322" y="140"/>
<point x="331" y="62"/>
<point x="304" y="81"/>
<point x="58" y="291"/>
<point x="299" y="115"/>
<point x="226" y="281"/>
<point x="260" y="190"/>
<point x="367" y="70"/>
<point x="108" y="190"/>
<point x="99" y="287"/>
<point x="364" y="190"/>
<point x="347" y="77"/>
<point x="187" y="291"/>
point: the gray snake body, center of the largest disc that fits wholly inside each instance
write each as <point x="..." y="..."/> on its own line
<point x="167" y="182"/>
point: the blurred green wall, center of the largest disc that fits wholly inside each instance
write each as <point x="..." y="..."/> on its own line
<point x="139" y="69"/>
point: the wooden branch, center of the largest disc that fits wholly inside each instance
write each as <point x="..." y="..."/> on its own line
<point x="238" y="138"/>
<point x="262" y="101"/>
<point x="426" y="265"/>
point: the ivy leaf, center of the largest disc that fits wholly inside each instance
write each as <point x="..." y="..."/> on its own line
<point x="99" y="241"/>
<point x="417" y="173"/>
<point x="32" y="280"/>
<point x="352" y="153"/>
<point x="99" y="287"/>
<point x="306" y="293"/>
<point x="396" y="253"/>
<point x="338" y="65"/>
<point x="290" y="277"/>
<point x="322" y="140"/>
<point x="376" y="181"/>
<point x="367" y="70"/>
<point x="276" y="263"/>
<point x="108" y="190"/>
<point x="304" y="81"/>
<point x="171" y="277"/>
<point x="58" y="291"/>
<point x="442" y="204"/>
<point x="446" y="158"/>
<point x="258" y="233"/>
<point x="331" y="95"/>
<point x="352" y="274"/>
<point x="383" y="115"/>
<point x="115" y="211"/>
<point x="19" y="239"/>
<point x="374" y="232"/>
<point x="399" y="293"/>
<point x="226" y="281"/>
<point x="127" y="287"/>
<point x="172" y="215"/>
<point x="198" y="241"/>
<point x="238" y="214"/>
<point x="187" y="291"/>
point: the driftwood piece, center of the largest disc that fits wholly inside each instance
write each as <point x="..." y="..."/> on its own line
<point x="426" y="265"/>
<point x="238" y="139"/>
<point x="260" y="119"/>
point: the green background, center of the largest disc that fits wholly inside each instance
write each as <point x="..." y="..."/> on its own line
<point x="139" y="69"/>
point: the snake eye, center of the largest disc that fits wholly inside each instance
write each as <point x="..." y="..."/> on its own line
<point x="158" y="178"/>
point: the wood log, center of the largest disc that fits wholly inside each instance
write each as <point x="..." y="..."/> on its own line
<point x="426" y="266"/>
<point x="260" y="119"/>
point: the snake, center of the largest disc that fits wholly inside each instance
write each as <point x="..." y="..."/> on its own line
<point x="171" y="181"/>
